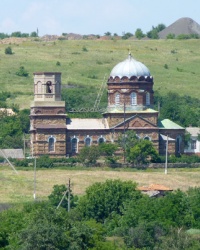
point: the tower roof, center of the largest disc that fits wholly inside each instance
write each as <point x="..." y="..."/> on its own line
<point x="130" y="67"/>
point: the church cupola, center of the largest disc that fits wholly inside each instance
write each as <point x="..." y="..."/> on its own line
<point x="130" y="84"/>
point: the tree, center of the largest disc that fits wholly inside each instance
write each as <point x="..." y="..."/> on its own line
<point x="139" y="34"/>
<point x="127" y="141"/>
<point x="107" y="149"/>
<point x="143" y="152"/>
<point x="58" y="193"/>
<point x="127" y="35"/>
<point x="107" y="33"/>
<point x="155" y="30"/>
<point x="103" y="199"/>
<point x="89" y="154"/>
<point x="33" y="34"/>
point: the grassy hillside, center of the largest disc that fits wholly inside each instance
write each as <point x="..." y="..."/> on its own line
<point x="18" y="188"/>
<point x="174" y="64"/>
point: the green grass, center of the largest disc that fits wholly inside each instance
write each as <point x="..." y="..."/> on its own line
<point x="88" y="67"/>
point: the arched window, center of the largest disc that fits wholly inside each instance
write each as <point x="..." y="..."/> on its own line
<point x="88" y="141"/>
<point x="39" y="88"/>
<point x="147" y="98"/>
<point x="74" y="145"/>
<point x="101" y="140"/>
<point x="51" y="145"/>
<point x="49" y="87"/>
<point x="147" y="138"/>
<point x="133" y="98"/>
<point x="117" y="99"/>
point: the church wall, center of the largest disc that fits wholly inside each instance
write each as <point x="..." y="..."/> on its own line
<point x="81" y="135"/>
<point x="41" y="142"/>
<point x="114" y="119"/>
<point x="126" y="88"/>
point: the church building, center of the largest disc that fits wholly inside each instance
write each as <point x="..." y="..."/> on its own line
<point x="130" y="107"/>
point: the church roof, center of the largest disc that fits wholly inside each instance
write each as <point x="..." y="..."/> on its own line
<point x="87" y="124"/>
<point x="130" y="67"/>
<point x="168" y="124"/>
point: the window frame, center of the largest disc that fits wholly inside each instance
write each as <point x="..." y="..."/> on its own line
<point x="148" y="101"/>
<point x="133" y="98"/>
<point x="117" y="99"/>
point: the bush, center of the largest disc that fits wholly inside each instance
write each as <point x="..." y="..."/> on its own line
<point x="22" y="72"/>
<point x="84" y="49"/>
<point x="21" y="163"/>
<point x="45" y="162"/>
<point x="8" y="51"/>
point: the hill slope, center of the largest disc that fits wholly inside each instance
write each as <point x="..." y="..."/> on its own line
<point x="174" y="64"/>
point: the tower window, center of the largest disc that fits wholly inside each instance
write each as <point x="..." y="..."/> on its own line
<point x="51" y="145"/>
<point x="49" y="87"/>
<point x="74" y="144"/>
<point x="117" y="99"/>
<point x="133" y="98"/>
<point x="147" y="98"/>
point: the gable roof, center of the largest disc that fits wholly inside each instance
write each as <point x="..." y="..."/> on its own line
<point x="194" y="131"/>
<point x="132" y="118"/>
<point x="168" y="124"/>
<point x="155" y="187"/>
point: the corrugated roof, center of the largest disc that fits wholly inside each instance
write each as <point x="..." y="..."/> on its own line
<point x="12" y="153"/>
<point x="168" y="124"/>
<point x="164" y="137"/>
<point x="155" y="187"/>
<point x="77" y="123"/>
<point x="194" y="131"/>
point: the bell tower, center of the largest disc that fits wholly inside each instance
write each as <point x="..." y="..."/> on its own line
<point x="48" y="118"/>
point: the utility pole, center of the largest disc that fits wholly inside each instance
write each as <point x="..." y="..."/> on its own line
<point x="124" y="143"/>
<point x="68" y="196"/>
<point x="34" y="170"/>
<point x="166" y="155"/>
<point x="34" y="192"/>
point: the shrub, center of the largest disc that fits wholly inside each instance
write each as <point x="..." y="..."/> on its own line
<point x="58" y="63"/>
<point x="22" y="72"/>
<point x="166" y="66"/>
<point x="45" y="162"/>
<point x="8" y="51"/>
<point x="84" y="49"/>
<point x="21" y="163"/>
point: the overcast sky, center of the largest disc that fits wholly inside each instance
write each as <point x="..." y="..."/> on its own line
<point x="92" y="16"/>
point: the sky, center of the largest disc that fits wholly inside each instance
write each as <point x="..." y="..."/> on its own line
<point x="54" y="17"/>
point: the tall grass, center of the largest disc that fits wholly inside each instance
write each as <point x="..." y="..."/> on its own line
<point x="89" y="66"/>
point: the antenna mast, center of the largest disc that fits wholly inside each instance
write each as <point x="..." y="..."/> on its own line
<point x="102" y="87"/>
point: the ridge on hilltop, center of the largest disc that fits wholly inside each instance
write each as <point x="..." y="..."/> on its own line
<point x="185" y="25"/>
